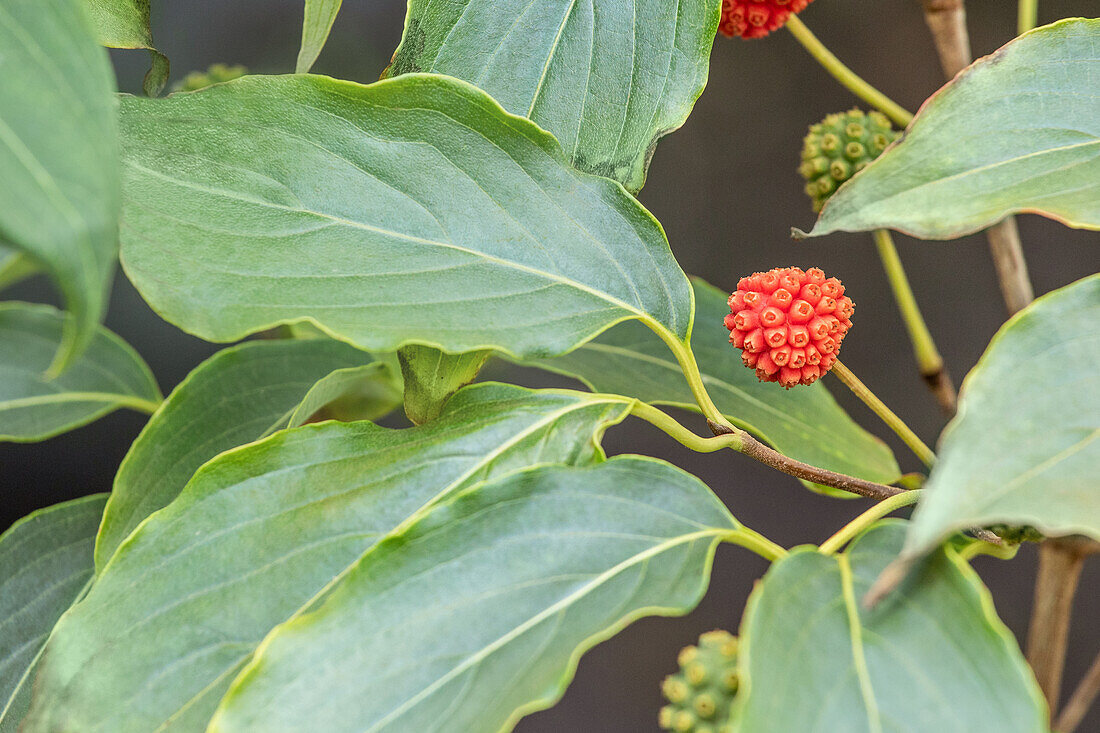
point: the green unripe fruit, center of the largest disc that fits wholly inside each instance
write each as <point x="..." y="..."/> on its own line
<point x="216" y="74"/>
<point x="840" y="146"/>
<point x="701" y="693"/>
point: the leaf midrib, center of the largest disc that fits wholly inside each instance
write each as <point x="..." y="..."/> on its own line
<point x="859" y="659"/>
<point x="488" y="649"/>
<point x="253" y="655"/>
<point x="554" y="277"/>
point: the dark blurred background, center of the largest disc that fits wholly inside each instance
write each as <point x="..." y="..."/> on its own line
<point x="726" y="189"/>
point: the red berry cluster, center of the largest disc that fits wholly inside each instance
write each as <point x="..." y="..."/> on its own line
<point x="757" y="18"/>
<point x="789" y="323"/>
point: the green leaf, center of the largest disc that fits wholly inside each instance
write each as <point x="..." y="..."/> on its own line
<point x="804" y="423"/>
<point x="59" y="200"/>
<point x="477" y="613"/>
<point x="316" y="23"/>
<point x="431" y="376"/>
<point x="45" y="563"/>
<point x="239" y="395"/>
<point x="608" y="78"/>
<point x="109" y="375"/>
<point x="1018" y="131"/>
<point x="262" y="532"/>
<point x="1024" y="447"/>
<point x="933" y="656"/>
<point x="412" y="210"/>
<point x="14" y="266"/>
<point x="125" y="24"/>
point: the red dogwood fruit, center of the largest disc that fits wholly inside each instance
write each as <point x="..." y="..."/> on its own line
<point x="789" y="323"/>
<point x="757" y="18"/>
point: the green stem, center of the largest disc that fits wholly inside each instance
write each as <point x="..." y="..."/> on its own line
<point x="686" y="359"/>
<point x="852" y="81"/>
<point x="866" y="519"/>
<point x="755" y="542"/>
<point x="887" y="415"/>
<point x="1028" y="16"/>
<point x="743" y="442"/>
<point x="682" y="435"/>
<point x="928" y="356"/>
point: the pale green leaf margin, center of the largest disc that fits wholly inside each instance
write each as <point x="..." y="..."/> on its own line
<point x="112" y="401"/>
<point x="945" y="508"/>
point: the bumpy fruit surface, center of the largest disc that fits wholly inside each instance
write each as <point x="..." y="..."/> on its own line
<point x="789" y="323"/>
<point x="216" y="74"/>
<point x="840" y="146"/>
<point x="700" y="694"/>
<point x="757" y="18"/>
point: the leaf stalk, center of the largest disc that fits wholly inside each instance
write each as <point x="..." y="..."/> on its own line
<point x="866" y="519"/>
<point x="928" y="356"/>
<point x="895" y="423"/>
<point x="753" y="541"/>
<point x="726" y="436"/>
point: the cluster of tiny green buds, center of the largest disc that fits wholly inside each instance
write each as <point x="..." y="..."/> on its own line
<point x="840" y="146"/>
<point x="701" y="693"/>
<point x="1016" y="534"/>
<point x="215" y="74"/>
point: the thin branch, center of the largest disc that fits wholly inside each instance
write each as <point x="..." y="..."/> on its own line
<point x="1060" y="562"/>
<point x="848" y="78"/>
<point x="1027" y="17"/>
<point x="726" y="436"/>
<point x="1081" y="700"/>
<point x="866" y="519"/>
<point x="947" y="21"/>
<point x="753" y="448"/>
<point x="1008" y="260"/>
<point x="928" y="356"/>
<point x="895" y="423"/>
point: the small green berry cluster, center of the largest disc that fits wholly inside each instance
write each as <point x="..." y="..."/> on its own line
<point x="701" y="693"/>
<point x="840" y="146"/>
<point x="214" y="75"/>
<point x="1016" y="534"/>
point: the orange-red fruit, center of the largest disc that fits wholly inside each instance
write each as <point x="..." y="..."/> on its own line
<point x="789" y="323"/>
<point x="757" y="18"/>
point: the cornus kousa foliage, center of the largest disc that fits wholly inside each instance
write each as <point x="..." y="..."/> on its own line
<point x="339" y="522"/>
<point x="840" y="146"/>
<point x="789" y="323"/>
<point x="757" y="18"/>
<point x="700" y="694"/>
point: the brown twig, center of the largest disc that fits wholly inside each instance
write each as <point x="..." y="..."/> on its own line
<point x="753" y="448"/>
<point x="1060" y="562"/>
<point x="1008" y="259"/>
<point x="941" y="386"/>
<point x="947" y="21"/>
<point x="1080" y="701"/>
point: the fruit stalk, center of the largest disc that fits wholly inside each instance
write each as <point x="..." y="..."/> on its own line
<point x="848" y="78"/>
<point x="928" y="356"/>
<point x="895" y="423"/>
